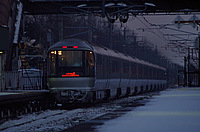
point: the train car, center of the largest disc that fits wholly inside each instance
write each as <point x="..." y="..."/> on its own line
<point x="79" y="71"/>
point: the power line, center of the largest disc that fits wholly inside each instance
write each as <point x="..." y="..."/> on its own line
<point x="152" y="31"/>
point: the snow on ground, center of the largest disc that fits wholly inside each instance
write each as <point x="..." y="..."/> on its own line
<point x="174" y="110"/>
<point x="57" y="120"/>
<point x="51" y="120"/>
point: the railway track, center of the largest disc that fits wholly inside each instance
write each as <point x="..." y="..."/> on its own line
<point x="29" y="121"/>
<point x="57" y="119"/>
<point x="14" y="108"/>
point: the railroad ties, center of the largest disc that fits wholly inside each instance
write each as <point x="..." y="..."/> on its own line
<point x="13" y="104"/>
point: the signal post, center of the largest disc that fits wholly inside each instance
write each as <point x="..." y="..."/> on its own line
<point x="194" y="21"/>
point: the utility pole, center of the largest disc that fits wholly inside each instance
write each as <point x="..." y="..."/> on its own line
<point x="185" y="72"/>
<point x="89" y="28"/>
<point x="194" y="21"/>
<point x="60" y="25"/>
<point x="199" y="59"/>
<point x="110" y="34"/>
<point x="188" y="67"/>
<point x="124" y="46"/>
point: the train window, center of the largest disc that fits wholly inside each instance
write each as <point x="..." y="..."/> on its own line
<point x="153" y="73"/>
<point x="90" y="63"/>
<point x="125" y="67"/>
<point x="70" y="58"/>
<point x="150" y="73"/>
<point x="115" y="67"/>
<point x="99" y="59"/>
<point x="146" y="72"/>
<point x="133" y="68"/>
<point x="140" y="71"/>
<point x="52" y="62"/>
<point x="63" y="63"/>
<point x="90" y="58"/>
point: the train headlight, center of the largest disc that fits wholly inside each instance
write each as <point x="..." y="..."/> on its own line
<point x="53" y="52"/>
<point x="59" y="52"/>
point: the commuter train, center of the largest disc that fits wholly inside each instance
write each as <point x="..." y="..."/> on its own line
<point x="79" y="71"/>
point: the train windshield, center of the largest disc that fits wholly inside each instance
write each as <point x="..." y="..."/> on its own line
<point x="71" y="64"/>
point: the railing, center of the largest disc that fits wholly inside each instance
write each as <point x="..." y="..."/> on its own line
<point x="24" y="79"/>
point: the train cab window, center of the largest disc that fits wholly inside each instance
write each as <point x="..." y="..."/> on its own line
<point x="52" y="63"/>
<point x="71" y="63"/>
<point x="70" y="58"/>
<point x="90" y="63"/>
<point x="90" y="58"/>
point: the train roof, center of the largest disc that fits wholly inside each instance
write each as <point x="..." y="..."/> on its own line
<point x="106" y="51"/>
<point x="68" y="44"/>
<point x="84" y="45"/>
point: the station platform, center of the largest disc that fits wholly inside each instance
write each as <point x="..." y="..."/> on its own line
<point x="14" y="96"/>
<point x="172" y="110"/>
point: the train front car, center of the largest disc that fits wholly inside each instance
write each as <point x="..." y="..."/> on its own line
<point x="71" y="70"/>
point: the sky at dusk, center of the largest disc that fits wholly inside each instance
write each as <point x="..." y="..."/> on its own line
<point x="152" y="28"/>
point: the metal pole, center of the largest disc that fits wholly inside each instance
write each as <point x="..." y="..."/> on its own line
<point x="199" y="59"/>
<point x="124" y="46"/>
<point x="1" y="77"/>
<point x="188" y="66"/>
<point x="60" y="25"/>
<point x="185" y="73"/>
<point x="110" y="34"/>
<point x="2" y="73"/>
<point x="89" y="28"/>
<point x="178" y="78"/>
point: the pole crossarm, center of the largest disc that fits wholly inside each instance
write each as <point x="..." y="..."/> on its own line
<point x="190" y="21"/>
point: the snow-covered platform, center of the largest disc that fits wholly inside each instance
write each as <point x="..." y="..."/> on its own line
<point x="172" y="110"/>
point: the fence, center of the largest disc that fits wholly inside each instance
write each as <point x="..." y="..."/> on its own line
<point x="24" y="79"/>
